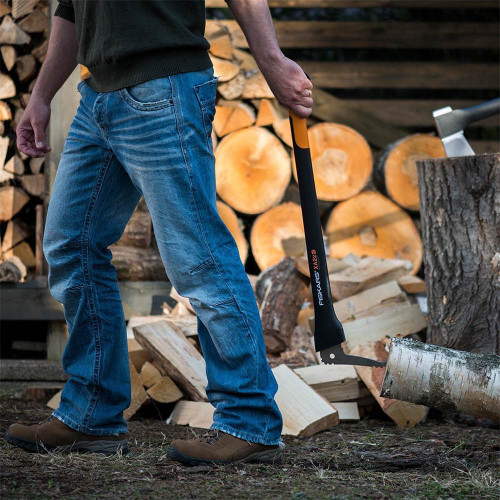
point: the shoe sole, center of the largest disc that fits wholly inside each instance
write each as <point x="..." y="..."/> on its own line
<point x="264" y="457"/>
<point x="104" y="446"/>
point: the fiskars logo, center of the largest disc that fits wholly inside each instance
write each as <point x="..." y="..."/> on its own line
<point x="319" y="293"/>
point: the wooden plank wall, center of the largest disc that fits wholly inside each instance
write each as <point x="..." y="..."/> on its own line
<point x="401" y="91"/>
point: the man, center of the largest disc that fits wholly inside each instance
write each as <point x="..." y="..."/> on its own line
<point x="143" y="127"/>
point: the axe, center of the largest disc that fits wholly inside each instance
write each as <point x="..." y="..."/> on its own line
<point x="450" y="124"/>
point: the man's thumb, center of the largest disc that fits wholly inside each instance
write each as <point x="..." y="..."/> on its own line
<point x="40" y="141"/>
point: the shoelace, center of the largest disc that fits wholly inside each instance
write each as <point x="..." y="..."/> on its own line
<point x="209" y="436"/>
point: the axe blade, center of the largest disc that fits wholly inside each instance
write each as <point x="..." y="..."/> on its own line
<point x="457" y="145"/>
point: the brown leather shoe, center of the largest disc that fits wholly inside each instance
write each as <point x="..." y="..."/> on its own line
<point x="221" y="448"/>
<point x="52" y="435"/>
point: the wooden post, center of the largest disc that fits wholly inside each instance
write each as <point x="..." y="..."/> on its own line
<point x="443" y="378"/>
<point x="461" y="243"/>
<point x="39" y="257"/>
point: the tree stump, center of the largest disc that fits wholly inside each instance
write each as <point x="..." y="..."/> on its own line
<point x="461" y="250"/>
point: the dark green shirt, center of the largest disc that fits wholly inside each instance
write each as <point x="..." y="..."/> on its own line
<point x="125" y="42"/>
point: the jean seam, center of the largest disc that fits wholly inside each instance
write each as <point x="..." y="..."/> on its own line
<point x="200" y="225"/>
<point x="83" y="428"/>
<point x="89" y="289"/>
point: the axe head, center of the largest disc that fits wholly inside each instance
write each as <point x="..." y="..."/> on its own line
<point x="449" y="126"/>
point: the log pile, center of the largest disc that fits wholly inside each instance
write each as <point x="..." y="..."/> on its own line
<point x="167" y="364"/>
<point x="23" y="41"/>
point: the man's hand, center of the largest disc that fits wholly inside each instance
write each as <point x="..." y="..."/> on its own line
<point x="286" y="79"/>
<point x="290" y="85"/>
<point x="31" y="129"/>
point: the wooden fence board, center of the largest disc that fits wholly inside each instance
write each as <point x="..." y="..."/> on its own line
<point x="407" y="75"/>
<point x="381" y="34"/>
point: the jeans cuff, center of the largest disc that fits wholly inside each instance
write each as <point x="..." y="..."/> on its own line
<point x="84" y="429"/>
<point x="247" y="436"/>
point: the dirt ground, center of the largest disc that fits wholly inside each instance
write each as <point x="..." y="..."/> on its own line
<point x="369" y="459"/>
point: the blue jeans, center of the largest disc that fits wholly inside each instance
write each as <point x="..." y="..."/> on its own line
<point x="151" y="139"/>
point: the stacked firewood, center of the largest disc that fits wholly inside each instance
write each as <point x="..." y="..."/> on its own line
<point x="373" y="298"/>
<point x="368" y="198"/>
<point x="23" y="40"/>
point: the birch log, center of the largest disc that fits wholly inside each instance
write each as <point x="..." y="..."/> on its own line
<point x="443" y="378"/>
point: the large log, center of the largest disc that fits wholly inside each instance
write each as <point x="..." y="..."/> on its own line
<point x="460" y="221"/>
<point x="443" y="378"/>
<point x="282" y="301"/>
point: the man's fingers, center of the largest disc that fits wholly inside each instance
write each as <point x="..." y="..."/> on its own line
<point x="301" y="111"/>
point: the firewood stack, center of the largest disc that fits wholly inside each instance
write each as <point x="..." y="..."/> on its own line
<point x="23" y="40"/>
<point x="368" y="198"/>
<point x="374" y="300"/>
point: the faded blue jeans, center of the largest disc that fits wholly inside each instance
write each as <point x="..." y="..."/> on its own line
<point x="151" y="139"/>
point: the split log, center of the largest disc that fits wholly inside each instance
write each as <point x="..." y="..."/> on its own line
<point x="192" y="413"/>
<point x="174" y="356"/>
<point x="137" y="354"/>
<point x="221" y="116"/>
<point x="348" y="411"/>
<point x="4" y="8"/>
<point x="149" y="375"/>
<point x="40" y="51"/>
<point x="36" y="22"/>
<point x="33" y="184"/>
<point x="11" y="33"/>
<point x="164" y="391"/>
<point x="36" y="164"/>
<point x="22" y="7"/>
<point x="281" y="127"/>
<point x="395" y="171"/>
<point x="270" y="228"/>
<point x="256" y="87"/>
<point x="138" y="264"/>
<point x="15" y="165"/>
<point x="187" y="324"/>
<point x="403" y="413"/>
<point x="141" y="320"/>
<point x="370" y="224"/>
<point x="220" y="44"/>
<point x="304" y="411"/>
<point x="24" y="252"/>
<point x="281" y="304"/>
<point x="401" y="319"/>
<point x="12" y="270"/>
<point x="241" y="116"/>
<point x="182" y="300"/>
<point x="443" y="378"/>
<point x="16" y="231"/>
<point x="268" y="112"/>
<point x="138" y="394"/>
<point x="12" y="200"/>
<point x="460" y="221"/>
<point x="7" y="86"/>
<point x="5" y="112"/>
<point x="412" y="284"/>
<point x="9" y="56"/>
<point x="252" y="170"/>
<point x="4" y="146"/>
<point x="138" y="230"/>
<point x="55" y="401"/>
<point x="368" y="273"/>
<point x="235" y="227"/>
<point x="224" y="69"/>
<point x="26" y="67"/>
<point x="342" y="161"/>
<point x="333" y="382"/>
<point x="233" y="88"/>
<point x="370" y="302"/>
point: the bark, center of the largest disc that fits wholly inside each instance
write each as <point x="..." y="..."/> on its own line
<point x="283" y="299"/>
<point x="443" y="378"/>
<point x="460" y="212"/>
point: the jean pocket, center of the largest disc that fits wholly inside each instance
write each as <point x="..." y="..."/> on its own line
<point x="150" y="95"/>
<point x="205" y="95"/>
